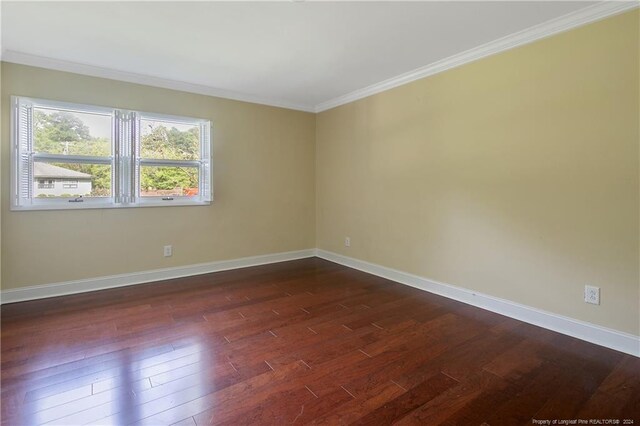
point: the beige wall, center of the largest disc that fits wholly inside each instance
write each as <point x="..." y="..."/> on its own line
<point x="515" y="176"/>
<point x="263" y="182"/>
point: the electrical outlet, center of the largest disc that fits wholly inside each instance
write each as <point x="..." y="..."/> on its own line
<point x="592" y="294"/>
<point x="347" y="242"/>
<point x="168" y="251"/>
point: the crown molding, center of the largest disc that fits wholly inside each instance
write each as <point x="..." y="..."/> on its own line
<point x="554" y="26"/>
<point x="147" y="80"/>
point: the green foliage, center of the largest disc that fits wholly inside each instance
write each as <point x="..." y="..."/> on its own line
<point x="61" y="126"/>
<point x="64" y="133"/>
<point x="159" y="142"/>
<point x="165" y="178"/>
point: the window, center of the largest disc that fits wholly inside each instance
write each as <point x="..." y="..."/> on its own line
<point x="45" y="184"/>
<point x="169" y="155"/>
<point x="78" y="156"/>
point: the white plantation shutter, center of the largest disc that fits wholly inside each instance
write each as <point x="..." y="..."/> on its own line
<point x="205" y="189"/>
<point x="133" y="147"/>
<point x="126" y="180"/>
<point x="23" y="120"/>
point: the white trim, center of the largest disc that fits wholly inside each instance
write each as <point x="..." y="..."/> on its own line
<point x="113" y="281"/>
<point x="147" y="80"/>
<point x="554" y="26"/>
<point x="620" y="341"/>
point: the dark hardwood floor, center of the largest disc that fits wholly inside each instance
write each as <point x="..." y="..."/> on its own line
<point x="299" y="342"/>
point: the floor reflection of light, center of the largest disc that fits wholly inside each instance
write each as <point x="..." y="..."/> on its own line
<point x="140" y="396"/>
<point x="125" y="391"/>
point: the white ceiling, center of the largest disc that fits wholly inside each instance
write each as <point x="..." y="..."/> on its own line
<point x="295" y="54"/>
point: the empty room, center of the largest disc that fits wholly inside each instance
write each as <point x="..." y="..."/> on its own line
<point x="301" y="212"/>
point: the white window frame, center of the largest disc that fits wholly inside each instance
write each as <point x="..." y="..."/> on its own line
<point x="125" y="160"/>
<point x="204" y="164"/>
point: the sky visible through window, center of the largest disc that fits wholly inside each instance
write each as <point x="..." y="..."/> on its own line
<point x="98" y="124"/>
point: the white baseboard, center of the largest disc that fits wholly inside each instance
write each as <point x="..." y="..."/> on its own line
<point x="620" y="341"/>
<point x="121" y="280"/>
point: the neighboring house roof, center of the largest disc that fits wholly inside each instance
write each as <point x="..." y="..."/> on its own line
<point x="46" y="170"/>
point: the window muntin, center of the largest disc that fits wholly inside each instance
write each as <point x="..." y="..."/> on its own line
<point x="100" y="157"/>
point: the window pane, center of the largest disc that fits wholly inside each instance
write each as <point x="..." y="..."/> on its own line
<point x="169" y="141"/>
<point x="168" y="181"/>
<point x="51" y="180"/>
<point x="71" y="133"/>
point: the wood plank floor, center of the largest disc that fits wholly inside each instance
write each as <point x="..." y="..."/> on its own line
<point x="300" y="342"/>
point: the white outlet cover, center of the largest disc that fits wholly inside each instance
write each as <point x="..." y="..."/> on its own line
<point x="168" y="251"/>
<point x="592" y="294"/>
<point x="347" y="242"/>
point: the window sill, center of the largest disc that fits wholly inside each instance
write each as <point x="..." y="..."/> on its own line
<point x="93" y="206"/>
